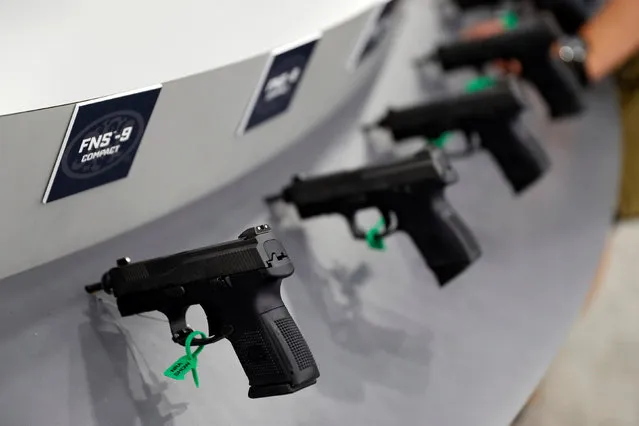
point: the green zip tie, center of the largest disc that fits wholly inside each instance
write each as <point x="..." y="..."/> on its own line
<point x="510" y="20"/>
<point x="441" y="140"/>
<point x="373" y="237"/>
<point x="180" y="368"/>
<point x="480" y="83"/>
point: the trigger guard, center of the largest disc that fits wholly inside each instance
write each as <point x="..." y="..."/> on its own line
<point x="176" y="316"/>
<point x="472" y="145"/>
<point x="390" y="219"/>
<point x="356" y="231"/>
<point x="180" y="330"/>
<point x="180" y="337"/>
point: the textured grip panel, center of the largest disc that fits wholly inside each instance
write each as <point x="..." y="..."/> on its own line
<point x="295" y="341"/>
<point x="255" y="357"/>
<point x="273" y="353"/>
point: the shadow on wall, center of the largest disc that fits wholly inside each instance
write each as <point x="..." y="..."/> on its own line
<point x="126" y="397"/>
<point x="348" y="346"/>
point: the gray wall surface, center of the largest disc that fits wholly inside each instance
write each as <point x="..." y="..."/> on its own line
<point x="392" y="347"/>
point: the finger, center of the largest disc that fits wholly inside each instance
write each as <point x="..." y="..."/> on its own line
<point x="503" y="65"/>
<point x="484" y="29"/>
<point x="514" y="67"/>
<point x="508" y="66"/>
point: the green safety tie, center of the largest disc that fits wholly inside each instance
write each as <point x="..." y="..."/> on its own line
<point x="180" y="368"/>
<point x="510" y="20"/>
<point x="374" y="237"/>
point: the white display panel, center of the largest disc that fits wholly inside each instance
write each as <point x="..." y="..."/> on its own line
<point x="73" y="50"/>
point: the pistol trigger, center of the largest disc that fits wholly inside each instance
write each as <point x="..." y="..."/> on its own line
<point x="180" y="330"/>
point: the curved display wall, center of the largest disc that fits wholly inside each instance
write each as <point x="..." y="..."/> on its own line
<point x="391" y="345"/>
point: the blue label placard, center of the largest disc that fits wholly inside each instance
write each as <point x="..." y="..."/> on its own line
<point x="374" y="33"/>
<point x="101" y="141"/>
<point x="283" y="75"/>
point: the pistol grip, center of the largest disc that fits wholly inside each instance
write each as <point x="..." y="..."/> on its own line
<point x="557" y="84"/>
<point x="445" y="242"/>
<point x="520" y="156"/>
<point x="270" y="346"/>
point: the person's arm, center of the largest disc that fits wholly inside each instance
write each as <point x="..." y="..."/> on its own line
<point x="612" y="36"/>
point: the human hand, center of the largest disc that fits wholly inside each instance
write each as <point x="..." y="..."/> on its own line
<point x="484" y="29"/>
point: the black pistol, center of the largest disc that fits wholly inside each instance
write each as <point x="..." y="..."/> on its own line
<point x="530" y="43"/>
<point x="570" y="14"/>
<point x="410" y="196"/>
<point x="237" y="284"/>
<point x="472" y="4"/>
<point x="493" y="115"/>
